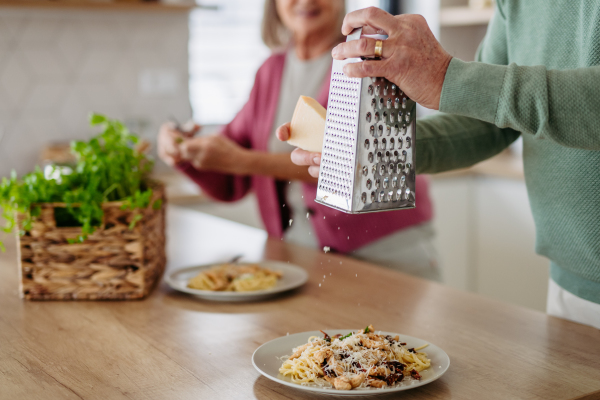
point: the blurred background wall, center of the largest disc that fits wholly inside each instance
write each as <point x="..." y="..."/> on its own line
<point x="57" y="66"/>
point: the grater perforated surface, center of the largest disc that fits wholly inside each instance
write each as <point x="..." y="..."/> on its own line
<point x="339" y="146"/>
<point x="367" y="163"/>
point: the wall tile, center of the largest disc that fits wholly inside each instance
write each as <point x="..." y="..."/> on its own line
<point x="45" y="99"/>
<point x="42" y="129"/>
<point x="45" y="64"/>
<point x="5" y="116"/>
<point x="10" y="28"/>
<point x="15" y="80"/>
<point x="98" y="64"/>
<point x="17" y="147"/>
<point x="104" y="33"/>
<point x="74" y="112"/>
<point x="5" y="48"/>
<point x="72" y="45"/>
<point x="125" y="78"/>
<point x="143" y="35"/>
<point x="99" y="97"/>
<point x="39" y="32"/>
<point x="148" y="58"/>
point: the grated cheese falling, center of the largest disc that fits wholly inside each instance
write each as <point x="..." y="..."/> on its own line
<point x="351" y="351"/>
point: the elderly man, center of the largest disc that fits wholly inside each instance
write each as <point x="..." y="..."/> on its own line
<point x="537" y="76"/>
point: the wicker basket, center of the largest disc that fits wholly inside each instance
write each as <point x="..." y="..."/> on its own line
<point x="114" y="263"/>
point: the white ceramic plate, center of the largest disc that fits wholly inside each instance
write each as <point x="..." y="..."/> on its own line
<point x="293" y="277"/>
<point x="266" y="359"/>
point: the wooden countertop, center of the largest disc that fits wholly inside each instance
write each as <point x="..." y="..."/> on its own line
<point x="178" y="347"/>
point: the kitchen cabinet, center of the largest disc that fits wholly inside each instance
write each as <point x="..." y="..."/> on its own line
<point x="452" y="202"/>
<point x="485" y="237"/>
<point x="452" y="220"/>
<point x="465" y="16"/>
<point x="506" y="265"/>
<point x="462" y="28"/>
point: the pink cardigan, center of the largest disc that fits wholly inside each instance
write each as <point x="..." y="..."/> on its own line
<point x="251" y="128"/>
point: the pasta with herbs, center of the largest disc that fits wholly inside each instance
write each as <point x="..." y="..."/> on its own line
<point x="358" y="359"/>
<point x="235" y="278"/>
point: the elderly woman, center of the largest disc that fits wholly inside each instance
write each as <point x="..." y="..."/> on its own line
<point x="247" y="155"/>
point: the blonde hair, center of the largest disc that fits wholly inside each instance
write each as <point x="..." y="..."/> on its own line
<point x="274" y="33"/>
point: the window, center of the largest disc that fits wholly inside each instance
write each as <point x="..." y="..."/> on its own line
<point x="225" y="53"/>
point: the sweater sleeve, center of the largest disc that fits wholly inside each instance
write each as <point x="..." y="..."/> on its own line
<point x="219" y="186"/>
<point x="446" y="142"/>
<point x="557" y="105"/>
<point x="460" y="140"/>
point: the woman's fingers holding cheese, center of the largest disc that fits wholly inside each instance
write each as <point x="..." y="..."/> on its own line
<point x="303" y="157"/>
<point x="299" y="156"/>
<point x="313" y="171"/>
<point x="283" y="132"/>
<point x="168" y="144"/>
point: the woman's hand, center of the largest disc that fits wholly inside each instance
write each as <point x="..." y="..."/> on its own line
<point x="412" y="58"/>
<point x="169" y="141"/>
<point x="299" y="156"/>
<point x="214" y="153"/>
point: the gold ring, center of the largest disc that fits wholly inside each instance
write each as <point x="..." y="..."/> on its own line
<point x="378" y="48"/>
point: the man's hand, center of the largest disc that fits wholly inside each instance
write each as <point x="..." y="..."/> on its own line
<point x="412" y="58"/>
<point x="299" y="156"/>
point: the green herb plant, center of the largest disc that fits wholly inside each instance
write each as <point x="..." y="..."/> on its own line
<point x="108" y="168"/>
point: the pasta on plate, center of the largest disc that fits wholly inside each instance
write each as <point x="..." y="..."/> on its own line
<point x="359" y="359"/>
<point x="236" y="278"/>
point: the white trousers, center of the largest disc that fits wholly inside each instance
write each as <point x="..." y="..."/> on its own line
<point x="566" y="305"/>
<point x="409" y="250"/>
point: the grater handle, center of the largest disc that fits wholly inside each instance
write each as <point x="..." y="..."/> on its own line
<point x="355" y="35"/>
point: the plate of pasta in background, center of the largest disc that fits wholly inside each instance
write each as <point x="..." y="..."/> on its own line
<point x="238" y="281"/>
<point x="345" y="362"/>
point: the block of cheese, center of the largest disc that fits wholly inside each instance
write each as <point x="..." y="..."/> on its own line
<point x="308" y="125"/>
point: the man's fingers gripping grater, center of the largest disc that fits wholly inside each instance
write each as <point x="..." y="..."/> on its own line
<point x="368" y="156"/>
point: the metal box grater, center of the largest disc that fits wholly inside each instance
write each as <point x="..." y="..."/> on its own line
<point x="368" y="157"/>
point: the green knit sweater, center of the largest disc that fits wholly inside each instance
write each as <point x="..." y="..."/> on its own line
<point x="536" y="75"/>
